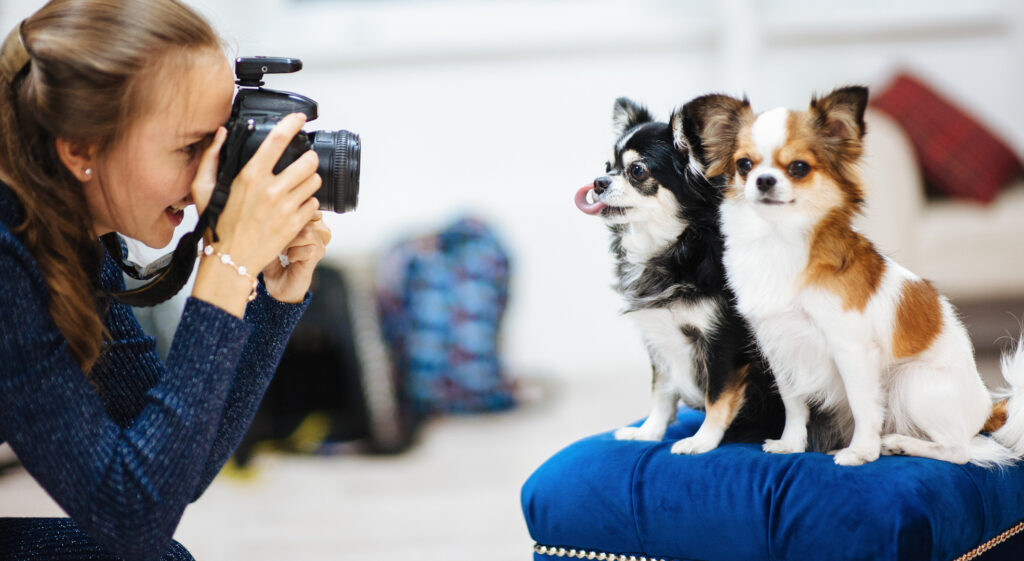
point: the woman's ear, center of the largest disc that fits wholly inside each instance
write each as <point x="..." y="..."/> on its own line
<point x="78" y="156"/>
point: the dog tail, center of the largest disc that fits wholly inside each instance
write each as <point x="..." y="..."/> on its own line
<point x="988" y="452"/>
<point x="1011" y="433"/>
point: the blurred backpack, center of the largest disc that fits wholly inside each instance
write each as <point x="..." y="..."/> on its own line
<point x="365" y="365"/>
<point x="442" y="298"/>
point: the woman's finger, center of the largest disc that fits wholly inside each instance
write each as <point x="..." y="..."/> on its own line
<point x="303" y="168"/>
<point x="269" y="152"/>
<point x="314" y="235"/>
<point x="301" y="198"/>
<point x="306" y="236"/>
<point x="298" y="220"/>
<point x="304" y="253"/>
<point x="309" y="210"/>
<point x="322" y="231"/>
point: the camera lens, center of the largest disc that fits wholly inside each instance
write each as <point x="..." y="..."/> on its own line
<point x="339" y="153"/>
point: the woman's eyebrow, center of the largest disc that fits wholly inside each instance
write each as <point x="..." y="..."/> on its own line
<point x="198" y="134"/>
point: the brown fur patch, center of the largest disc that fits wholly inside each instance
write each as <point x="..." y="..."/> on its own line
<point x="727" y="404"/>
<point x="843" y="261"/>
<point x="717" y="120"/>
<point x="918" y="319"/>
<point x="997" y="419"/>
<point x="838" y="119"/>
<point x="804" y="141"/>
<point x="745" y="147"/>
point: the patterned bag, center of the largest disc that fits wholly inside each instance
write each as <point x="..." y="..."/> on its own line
<point x="442" y="298"/>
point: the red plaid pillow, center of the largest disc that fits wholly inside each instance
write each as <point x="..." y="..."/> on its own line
<point x="958" y="156"/>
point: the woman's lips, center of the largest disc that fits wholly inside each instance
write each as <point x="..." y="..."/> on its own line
<point x="175" y="216"/>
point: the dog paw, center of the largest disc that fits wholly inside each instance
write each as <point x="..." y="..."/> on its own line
<point x="855" y="456"/>
<point x="693" y="445"/>
<point x="636" y="433"/>
<point x="783" y="447"/>
<point x="892" y="445"/>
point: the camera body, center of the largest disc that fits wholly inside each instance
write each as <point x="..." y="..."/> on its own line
<point x="256" y="110"/>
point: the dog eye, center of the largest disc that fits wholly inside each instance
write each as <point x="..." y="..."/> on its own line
<point x="744" y="165"/>
<point x="638" y="172"/>
<point x="798" y="169"/>
<point x="607" y="167"/>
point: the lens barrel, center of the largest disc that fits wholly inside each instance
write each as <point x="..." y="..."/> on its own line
<point x="339" y="153"/>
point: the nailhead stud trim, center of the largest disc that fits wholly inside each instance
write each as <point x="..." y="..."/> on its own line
<point x="974" y="553"/>
<point x="553" y="551"/>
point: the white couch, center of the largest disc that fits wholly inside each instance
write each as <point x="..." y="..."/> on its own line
<point x="973" y="253"/>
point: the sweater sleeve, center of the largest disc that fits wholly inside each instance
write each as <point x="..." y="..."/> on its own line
<point x="272" y="324"/>
<point x="125" y="484"/>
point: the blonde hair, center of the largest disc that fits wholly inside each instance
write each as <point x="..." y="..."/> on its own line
<point x="92" y="71"/>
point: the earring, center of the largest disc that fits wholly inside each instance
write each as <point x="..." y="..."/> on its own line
<point x="88" y="172"/>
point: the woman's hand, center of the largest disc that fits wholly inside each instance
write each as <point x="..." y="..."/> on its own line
<point x="264" y="216"/>
<point x="290" y="283"/>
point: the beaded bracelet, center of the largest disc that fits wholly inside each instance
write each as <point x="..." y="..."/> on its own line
<point x="209" y="250"/>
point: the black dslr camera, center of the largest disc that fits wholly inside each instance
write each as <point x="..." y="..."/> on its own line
<point x="256" y="110"/>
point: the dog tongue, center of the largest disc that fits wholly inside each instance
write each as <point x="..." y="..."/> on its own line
<point x="587" y="207"/>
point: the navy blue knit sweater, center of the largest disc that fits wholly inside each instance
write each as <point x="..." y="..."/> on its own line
<point x="124" y="454"/>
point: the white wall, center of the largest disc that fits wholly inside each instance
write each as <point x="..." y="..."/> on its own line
<point x="501" y="108"/>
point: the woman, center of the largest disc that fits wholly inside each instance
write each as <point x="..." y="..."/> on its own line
<point x="110" y="121"/>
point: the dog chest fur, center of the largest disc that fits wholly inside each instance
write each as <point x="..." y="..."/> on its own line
<point x="666" y="333"/>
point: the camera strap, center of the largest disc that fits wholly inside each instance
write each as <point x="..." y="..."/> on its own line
<point x="168" y="274"/>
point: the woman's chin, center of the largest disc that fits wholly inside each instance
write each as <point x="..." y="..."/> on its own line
<point x="162" y="241"/>
<point x="154" y="239"/>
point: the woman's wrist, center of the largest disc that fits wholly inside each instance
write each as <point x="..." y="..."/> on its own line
<point x="209" y="251"/>
<point x="219" y="283"/>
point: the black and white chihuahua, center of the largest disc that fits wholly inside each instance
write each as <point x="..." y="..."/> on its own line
<point x="663" y="216"/>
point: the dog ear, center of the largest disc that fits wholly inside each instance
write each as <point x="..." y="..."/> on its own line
<point x="839" y="116"/>
<point x="679" y="139"/>
<point x="709" y="126"/>
<point x="841" y="113"/>
<point x="628" y="114"/>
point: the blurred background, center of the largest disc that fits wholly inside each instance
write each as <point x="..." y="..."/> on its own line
<point x="499" y="110"/>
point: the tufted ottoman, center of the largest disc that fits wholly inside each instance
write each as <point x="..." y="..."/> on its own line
<point x="625" y="500"/>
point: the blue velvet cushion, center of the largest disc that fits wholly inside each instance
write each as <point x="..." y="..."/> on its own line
<point x="738" y="503"/>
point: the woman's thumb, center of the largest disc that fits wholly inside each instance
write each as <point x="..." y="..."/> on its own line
<point x="206" y="173"/>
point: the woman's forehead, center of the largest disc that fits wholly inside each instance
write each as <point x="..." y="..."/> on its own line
<point x="194" y="104"/>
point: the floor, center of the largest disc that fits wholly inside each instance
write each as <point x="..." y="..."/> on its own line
<point x="453" y="497"/>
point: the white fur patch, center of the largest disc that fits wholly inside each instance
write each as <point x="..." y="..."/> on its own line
<point x="654" y="225"/>
<point x="769" y="131"/>
<point x="662" y="332"/>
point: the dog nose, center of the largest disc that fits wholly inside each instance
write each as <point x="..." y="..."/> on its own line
<point x="765" y="183"/>
<point x="601" y="184"/>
